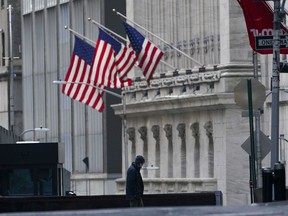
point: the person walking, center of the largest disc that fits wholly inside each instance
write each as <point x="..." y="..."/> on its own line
<point x="134" y="183"/>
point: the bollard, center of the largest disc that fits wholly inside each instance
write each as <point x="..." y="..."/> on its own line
<point x="267" y="180"/>
<point x="279" y="182"/>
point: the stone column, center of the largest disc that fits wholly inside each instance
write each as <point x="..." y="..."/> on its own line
<point x="235" y="46"/>
<point x="195" y="133"/>
<point x="182" y="135"/>
<point x="209" y="132"/>
<point x="156" y="132"/>
<point x="131" y="137"/>
<point x="143" y="135"/>
<point x="168" y="131"/>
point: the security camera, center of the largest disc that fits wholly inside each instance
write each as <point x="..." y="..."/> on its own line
<point x="1" y="29"/>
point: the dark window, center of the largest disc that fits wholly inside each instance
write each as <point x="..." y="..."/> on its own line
<point x="26" y="182"/>
<point x="2" y="4"/>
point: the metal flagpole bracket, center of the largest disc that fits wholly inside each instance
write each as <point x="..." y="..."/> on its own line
<point x="124" y="39"/>
<point x="88" y="84"/>
<point x="80" y="35"/>
<point x="122" y="97"/>
<point x="171" y="46"/>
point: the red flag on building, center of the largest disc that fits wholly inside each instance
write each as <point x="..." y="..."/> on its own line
<point x="112" y="62"/>
<point x="80" y="71"/>
<point x="259" y="21"/>
<point x="148" y="54"/>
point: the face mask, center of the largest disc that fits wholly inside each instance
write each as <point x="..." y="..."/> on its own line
<point x="140" y="165"/>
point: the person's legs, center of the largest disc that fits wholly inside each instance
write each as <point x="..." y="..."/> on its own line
<point x="133" y="203"/>
<point x="141" y="203"/>
<point x="136" y="203"/>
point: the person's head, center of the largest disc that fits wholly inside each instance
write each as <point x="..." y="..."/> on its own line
<point x="139" y="160"/>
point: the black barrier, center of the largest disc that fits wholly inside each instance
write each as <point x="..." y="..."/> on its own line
<point x="24" y="204"/>
<point x="279" y="182"/>
<point x="267" y="180"/>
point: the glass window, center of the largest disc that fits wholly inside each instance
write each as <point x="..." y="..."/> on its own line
<point x="20" y="182"/>
<point x="44" y="182"/>
<point x="26" y="182"/>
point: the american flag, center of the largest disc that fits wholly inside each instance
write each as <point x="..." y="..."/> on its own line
<point x="148" y="55"/>
<point x="79" y="71"/>
<point x="112" y="62"/>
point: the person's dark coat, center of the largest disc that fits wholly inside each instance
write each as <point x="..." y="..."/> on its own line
<point x="134" y="183"/>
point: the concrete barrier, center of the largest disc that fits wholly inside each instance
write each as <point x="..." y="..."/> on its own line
<point x="55" y="203"/>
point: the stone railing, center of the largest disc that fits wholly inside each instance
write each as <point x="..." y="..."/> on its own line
<point x="172" y="185"/>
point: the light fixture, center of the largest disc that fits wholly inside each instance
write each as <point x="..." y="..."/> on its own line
<point x="43" y="129"/>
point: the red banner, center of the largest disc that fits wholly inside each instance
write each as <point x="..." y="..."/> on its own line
<point x="259" y="21"/>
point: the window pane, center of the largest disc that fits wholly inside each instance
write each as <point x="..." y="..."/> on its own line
<point x="20" y="182"/>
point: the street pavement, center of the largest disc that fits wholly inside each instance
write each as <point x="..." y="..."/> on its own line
<point x="275" y="209"/>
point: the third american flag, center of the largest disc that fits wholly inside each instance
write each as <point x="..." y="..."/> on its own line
<point x="148" y="55"/>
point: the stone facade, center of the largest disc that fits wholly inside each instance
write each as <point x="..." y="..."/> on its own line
<point x="193" y="134"/>
<point x="191" y="109"/>
<point x="186" y="122"/>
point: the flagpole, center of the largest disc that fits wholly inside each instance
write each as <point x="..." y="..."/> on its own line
<point x="88" y="84"/>
<point x="11" y="83"/>
<point x="122" y="38"/>
<point x="125" y="131"/>
<point x="107" y="29"/>
<point x="171" y="46"/>
<point x="80" y="35"/>
<point x="122" y="97"/>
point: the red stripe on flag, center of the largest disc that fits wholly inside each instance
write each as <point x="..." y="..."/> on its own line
<point x="81" y="80"/>
<point x="149" y="61"/>
<point x="68" y="73"/>
<point x="154" y="66"/>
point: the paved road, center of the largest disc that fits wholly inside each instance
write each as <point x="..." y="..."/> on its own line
<point x="275" y="209"/>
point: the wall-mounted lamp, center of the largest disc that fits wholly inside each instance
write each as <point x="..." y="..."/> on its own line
<point x="43" y="129"/>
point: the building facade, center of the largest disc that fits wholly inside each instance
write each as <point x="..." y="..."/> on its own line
<point x="91" y="152"/>
<point x="10" y="71"/>
<point x="186" y="122"/>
